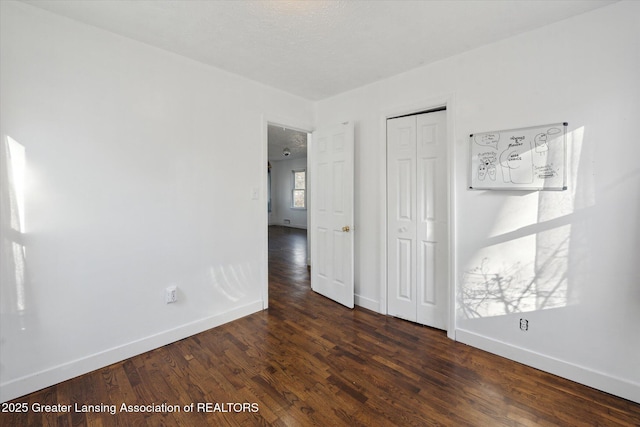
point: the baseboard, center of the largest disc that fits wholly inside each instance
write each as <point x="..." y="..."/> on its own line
<point x="367" y="303"/>
<point x="617" y="386"/>
<point x="48" y="377"/>
<point x="301" y="227"/>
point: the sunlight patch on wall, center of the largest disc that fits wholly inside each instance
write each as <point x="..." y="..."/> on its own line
<point x="524" y="262"/>
<point x="515" y="213"/>
<point x="230" y="281"/>
<point x="13" y="226"/>
<point x="16" y="159"/>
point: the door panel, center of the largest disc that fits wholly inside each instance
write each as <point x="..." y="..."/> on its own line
<point x="427" y="171"/>
<point x="339" y="265"/>
<point x="428" y="276"/>
<point x="320" y="247"/>
<point x="405" y="189"/>
<point x="405" y="252"/>
<point x="331" y="175"/>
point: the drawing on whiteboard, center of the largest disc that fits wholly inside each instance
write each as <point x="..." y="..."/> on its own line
<point x="532" y="158"/>
<point x="488" y="139"/>
<point x="554" y="131"/>
<point x="517" y="162"/>
<point x="541" y="143"/>
<point x="487" y="165"/>
<point x="541" y="140"/>
<point x="546" y="171"/>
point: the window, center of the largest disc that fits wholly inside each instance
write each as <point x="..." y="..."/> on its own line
<point x="299" y="192"/>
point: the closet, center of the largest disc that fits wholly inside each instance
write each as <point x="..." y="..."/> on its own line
<point x="417" y="219"/>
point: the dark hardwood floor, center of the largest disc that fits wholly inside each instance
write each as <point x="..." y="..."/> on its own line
<point x="308" y="361"/>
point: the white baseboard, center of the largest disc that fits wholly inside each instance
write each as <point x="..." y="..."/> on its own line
<point x="302" y="227"/>
<point x="48" y="377"/>
<point x="367" y="303"/>
<point x="617" y="386"/>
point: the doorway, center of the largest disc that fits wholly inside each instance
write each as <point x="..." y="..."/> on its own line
<point x="287" y="193"/>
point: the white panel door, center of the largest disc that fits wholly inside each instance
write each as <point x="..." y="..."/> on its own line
<point x="331" y="175"/>
<point x="401" y="217"/>
<point x="417" y="213"/>
<point x="432" y="216"/>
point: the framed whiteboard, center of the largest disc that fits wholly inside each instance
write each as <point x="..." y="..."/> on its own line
<point x="531" y="158"/>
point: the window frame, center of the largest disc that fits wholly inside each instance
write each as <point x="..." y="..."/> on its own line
<point x="294" y="189"/>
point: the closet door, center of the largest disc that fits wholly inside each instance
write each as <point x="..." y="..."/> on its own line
<point x="401" y="217"/>
<point x="417" y="219"/>
<point x="432" y="220"/>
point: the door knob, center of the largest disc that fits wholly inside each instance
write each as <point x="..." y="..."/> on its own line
<point x="346" y="229"/>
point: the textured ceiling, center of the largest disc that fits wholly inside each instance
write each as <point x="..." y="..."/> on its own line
<point x="280" y="138"/>
<point x="317" y="49"/>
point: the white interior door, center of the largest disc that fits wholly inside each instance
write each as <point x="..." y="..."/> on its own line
<point x="433" y="214"/>
<point x="417" y="212"/>
<point x="331" y="172"/>
<point x="401" y="217"/>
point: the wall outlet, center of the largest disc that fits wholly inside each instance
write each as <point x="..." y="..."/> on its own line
<point x="524" y="324"/>
<point x="171" y="294"/>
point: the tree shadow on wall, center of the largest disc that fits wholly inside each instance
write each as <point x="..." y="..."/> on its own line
<point x="516" y="287"/>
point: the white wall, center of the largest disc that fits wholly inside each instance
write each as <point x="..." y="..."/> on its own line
<point x="131" y="185"/>
<point x="578" y="249"/>
<point x="281" y="186"/>
<point x="127" y="190"/>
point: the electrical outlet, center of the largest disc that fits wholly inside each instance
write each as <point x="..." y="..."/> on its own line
<point x="171" y="294"/>
<point x="524" y="324"/>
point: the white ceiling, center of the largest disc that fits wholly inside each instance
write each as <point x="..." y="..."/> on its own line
<point x="317" y="49"/>
<point x="280" y="138"/>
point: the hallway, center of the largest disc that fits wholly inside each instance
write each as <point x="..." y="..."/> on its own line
<point x="287" y="257"/>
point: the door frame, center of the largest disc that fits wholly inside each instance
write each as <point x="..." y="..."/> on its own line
<point x="448" y="102"/>
<point x="289" y="123"/>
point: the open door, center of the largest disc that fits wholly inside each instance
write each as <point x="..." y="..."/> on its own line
<point x="330" y="164"/>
